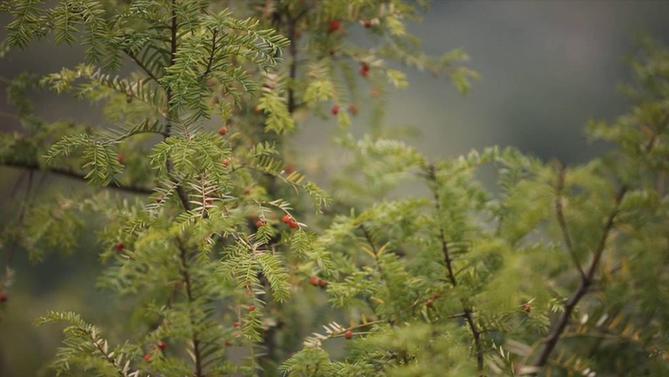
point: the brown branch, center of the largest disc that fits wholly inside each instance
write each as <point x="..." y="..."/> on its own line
<point x="559" y="212"/>
<point x="197" y="354"/>
<point x="588" y="278"/>
<point x="211" y="56"/>
<point x="74" y="175"/>
<point x="467" y="309"/>
<point x="586" y="282"/>
<point x="142" y="66"/>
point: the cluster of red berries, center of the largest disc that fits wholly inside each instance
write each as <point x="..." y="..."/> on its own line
<point x="290" y="221"/>
<point x="353" y="109"/>
<point x="162" y="346"/>
<point x="318" y="282"/>
<point x="364" y="69"/>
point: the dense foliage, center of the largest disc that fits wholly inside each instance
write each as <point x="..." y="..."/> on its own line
<point x="228" y="254"/>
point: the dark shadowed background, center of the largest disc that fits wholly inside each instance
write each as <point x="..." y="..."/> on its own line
<point x="547" y="67"/>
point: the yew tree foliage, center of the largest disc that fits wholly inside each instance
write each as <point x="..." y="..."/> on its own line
<point x="234" y="258"/>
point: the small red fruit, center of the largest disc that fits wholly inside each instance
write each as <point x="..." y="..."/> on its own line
<point x="287" y="219"/>
<point x="236" y="325"/>
<point x="322" y="283"/>
<point x="429" y="303"/>
<point x="293" y="225"/>
<point x="335" y="110"/>
<point x="121" y="159"/>
<point x="162" y="345"/>
<point x="119" y="247"/>
<point x="289" y="169"/>
<point x="223" y="131"/>
<point x="148" y="357"/>
<point x="314" y="280"/>
<point x="353" y="109"/>
<point x="226" y="162"/>
<point x="251" y="308"/>
<point x="364" y="69"/>
<point x="3" y="297"/>
<point x="260" y="223"/>
<point x="527" y="307"/>
<point x="348" y="334"/>
<point x="335" y="26"/>
<point x="367" y="24"/>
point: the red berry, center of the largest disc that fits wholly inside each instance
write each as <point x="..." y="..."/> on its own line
<point x="335" y="110"/>
<point x="367" y="24"/>
<point x="429" y="303"/>
<point x="121" y="159"/>
<point x="162" y="345"/>
<point x="260" y="223"/>
<point x="314" y="280"/>
<point x="236" y="325"/>
<point x="251" y="308"/>
<point x="289" y="169"/>
<point x="226" y="162"/>
<point x="353" y="109"/>
<point x="364" y="69"/>
<point x="348" y="334"/>
<point x="322" y="283"/>
<point x="293" y="225"/>
<point x="119" y="247"/>
<point x="148" y="357"/>
<point x="527" y="307"/>
<point x="3" y="297"/>
<point x="335" y="25"/>
<point x="287" y="219"/>
<point x="223" y="131"/>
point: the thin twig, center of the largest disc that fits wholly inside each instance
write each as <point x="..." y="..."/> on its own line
<point x="467" y="309"/>
<point x="559" y="211"/>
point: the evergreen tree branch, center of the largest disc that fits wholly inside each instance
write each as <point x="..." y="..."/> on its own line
<point x="74" y="175"/>
<point x="467" y="309"/>
<point x="142" y="66"/>
<point x="584" y="286"/>
<point x="210" y="61"/>
<point x="588" y="278"/>
<point x="197" y="355"/>
<point x="559" y="211"/>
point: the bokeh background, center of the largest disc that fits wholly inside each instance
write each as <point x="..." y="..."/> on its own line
<point x="546" y="67"/>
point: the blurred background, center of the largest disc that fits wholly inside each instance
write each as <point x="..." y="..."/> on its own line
<point x="546" y="67"/>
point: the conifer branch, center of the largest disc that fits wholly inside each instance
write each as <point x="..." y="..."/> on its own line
<point x="183" y="255"/>
<point x="584" y="286"/>
<point x="69" y="173"/>
<point x="142" y="66"/>
<point x="467" y="309"/>
<point x="559" y="211"/>
<point x="588" y="278"/>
